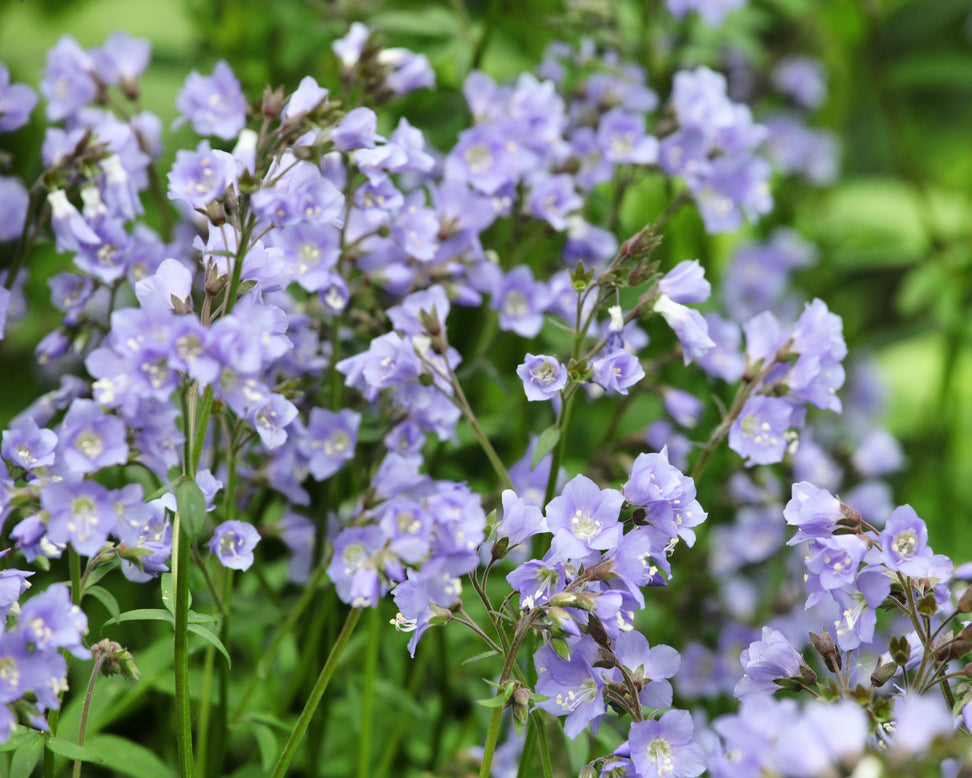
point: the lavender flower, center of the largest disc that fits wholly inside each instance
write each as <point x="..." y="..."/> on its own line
<point x="16" y="102"/>
<point x="543" y="377"/>
<point x="233" y="542"/>
<point x="214" y="104"/>
<point x="665" y="748"/>
<point x="759" y="432"/>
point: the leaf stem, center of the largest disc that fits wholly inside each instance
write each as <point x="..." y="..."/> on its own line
<point x="290" y="748"/>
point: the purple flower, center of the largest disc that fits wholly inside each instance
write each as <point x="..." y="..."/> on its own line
<point x="26" y="445"/>
<point x="686" y="283"/>
<point x="543" y="377"/>
<point x="297" y="532"/>
<point x="685" y="408"/>
<point x="214" y="104"/>
<point x="520" y="519"/>
<point x="16" y="102"/>
<point x="553" y="198"/>
<point x="663" y="490"/>
<point x="90" y="439"/>
<point x="802" y="79"/>
<point x="201" y="176"/>
<point x="918" y="720"/>
<point x="406" y="71"/>
<point x="330" y="440"/>
<point x="814" y="511"/>
<point x="664" y="748"/>
<point x="617" y="371"/>
<point x="573" y="686"/>
<point x="13" y="204"/>
<point x="67" y="84"/>
<point x="689" y="326"/>
<point x="349" y="48"/>
<point x="80" y="514"/>
<point x="621" y="136"/>
<point x="583" y="519"/>
<point x="122" y="59"/>
<point x="764" y="661"/>
<point x="233" y="543"/>
<point x="357" y="130"/>
<point x="51" y="621"/>
<point x="904" y="543"/>
<point x="536" y="582"/>
<point x="271" y="419"/>
<point x="759" y="432"/>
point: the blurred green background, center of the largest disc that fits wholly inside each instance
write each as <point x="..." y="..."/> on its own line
<point x="895" y="232"/>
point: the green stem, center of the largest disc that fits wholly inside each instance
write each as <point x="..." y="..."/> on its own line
<point x="495" y="719"/>
<point x="317" y="692"/>
<point x="368" y="692"/>
<point x="180" y="553"/>
<point x="545" y="764"/>
<point x="74" y="561"/>
<point x="492" y="738"/>
<point x="86" y="708"/>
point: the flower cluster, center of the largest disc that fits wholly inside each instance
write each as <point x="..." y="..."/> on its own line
<point x="282" y="363"/>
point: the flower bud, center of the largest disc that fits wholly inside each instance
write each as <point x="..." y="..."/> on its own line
<point x="883" y="673"/>
<point x="826" y="648"/>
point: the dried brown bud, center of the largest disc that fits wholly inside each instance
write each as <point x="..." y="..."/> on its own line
<point x="826" y="648"/>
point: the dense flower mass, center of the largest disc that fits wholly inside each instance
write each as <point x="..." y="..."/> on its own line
<point x="312" y="371"/>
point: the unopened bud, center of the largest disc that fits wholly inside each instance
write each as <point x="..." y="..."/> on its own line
<point x="826" y="648"/>
<point x="965" y="602"/>
<point x="596" y="630"/>
<point x="900" y="650"/>
<point x="115" y="659"/>
<point x="561" y="648"/>
<point x="216" y="213"/>
<point x="883" y="673"/>
<point x="563" y="600"/>
<point x="500" y="547"/>
<point x="272" y="102"/>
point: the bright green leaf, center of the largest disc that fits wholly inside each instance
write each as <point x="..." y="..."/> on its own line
<point x="105" y="597"/>
<point x="127" y="758"/>
<point x="545" y="444"/>
<point x="192" y="506"/>
<point x="70" y="750"/>
<point x="211" y="638"/>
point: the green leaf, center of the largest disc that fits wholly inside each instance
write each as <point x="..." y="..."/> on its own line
<point x="127" y="758"/>
<point x="141" y="614"/>
<point x="545" y="444"/>
<point x="105" y="597"/>
<point x="192" y="506"/>
<point x="26" y="758"/>
<point x="21" y="737"/>
<point x="484" y="655"/>
<point x="70" y="750"/>
<point x="492" y="702"/>
<point x="266" y="743"/>
<point x="202" y="414"/>
<point x="168" y="593"/>
<point x="210" y="637"/>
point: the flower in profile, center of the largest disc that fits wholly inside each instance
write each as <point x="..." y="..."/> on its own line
<point x="233" y="543"/>
<point x="543" y="377"/>
<point x="766" y="660"/>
